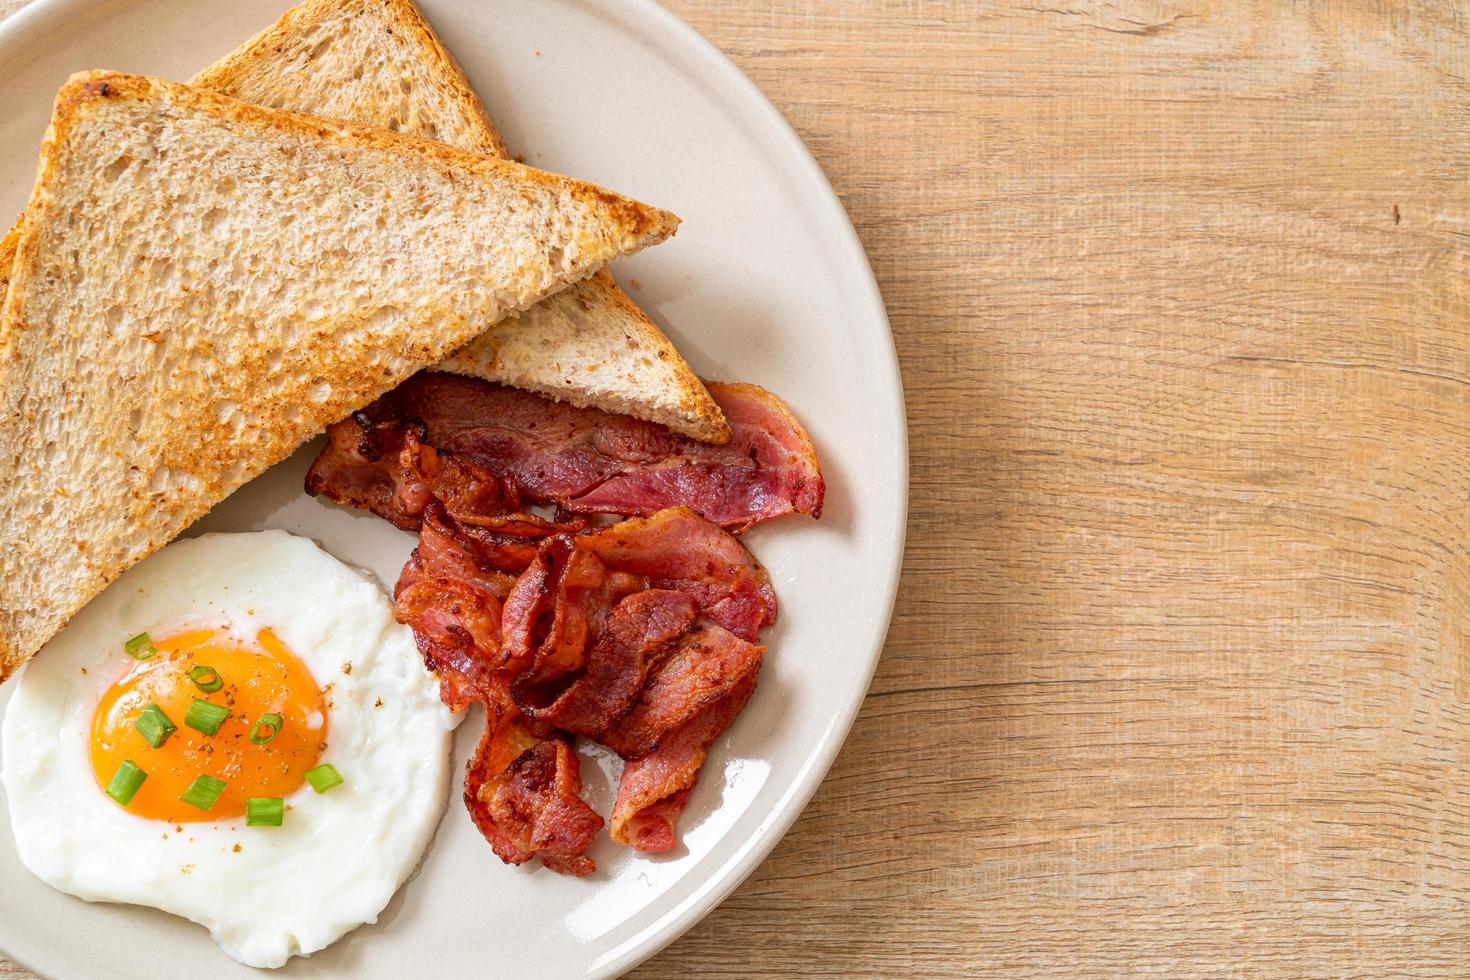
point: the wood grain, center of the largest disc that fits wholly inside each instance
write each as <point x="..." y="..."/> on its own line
<point x="1179" y="680"/>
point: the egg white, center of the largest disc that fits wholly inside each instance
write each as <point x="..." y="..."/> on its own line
<point x="340" y="855"/>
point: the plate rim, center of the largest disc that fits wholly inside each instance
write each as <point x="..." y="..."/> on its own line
<point x="34" y="18"/>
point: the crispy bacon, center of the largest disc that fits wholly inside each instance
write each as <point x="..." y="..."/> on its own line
<point x="361" y="467"/>
<point x="678" y="549"/>
<point x="386" y="467"/>
<point x="650" y="829"/>
<point x="655" y="787"/>
<point x="641" y="634"/>
<point x="637" y="635"/>
<point x="640" y="628"/>
<point x="708" y="666"/>
<point x="768" y="468"/>
<point x="581" y="600"/>
<point x="556" y="608"/>
<point x="457" y="628"/>
<point x="522" y="789"/>
<point x="451" y="592"/>
<point x="597" y="636"/>
<point x="489" y="559"/>
<point x="584" y="460"/>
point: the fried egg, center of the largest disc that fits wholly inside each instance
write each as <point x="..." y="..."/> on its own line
<point x="236" y="732"/>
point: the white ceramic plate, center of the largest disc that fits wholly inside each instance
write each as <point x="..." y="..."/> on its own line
<point x="766" y="282"/>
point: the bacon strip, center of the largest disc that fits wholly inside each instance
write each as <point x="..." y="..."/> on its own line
<point x="489" y="559"/>
<point x="708" y="666"/>
<point x="386" y="467"/>
<point x="655" y="788"/>
<point x="457" y="628"/>
<point x="559" y="630"/>
<point x="523" y="790"/>
<point x="583" y="460"/>
<point x="678" y="549"/>
<point x="451" y="593"/>
<point x="782" y="476"/>
<point x="361" y="467"/>
<point x="556" y="608"/>
<point x="640" y="628"/>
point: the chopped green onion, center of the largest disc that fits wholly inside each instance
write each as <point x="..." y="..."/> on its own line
<point x="206" y="678"/>
<point x="154" y="725"/>
<point x="265" y="729"/>
<point x="206" y="716"/>
<point x="324" y="777"/>
<point x="203" y="791"/>
<point x="125" y="782"/>
<point x="140" y="647"/>
<point x="264" y="811"/>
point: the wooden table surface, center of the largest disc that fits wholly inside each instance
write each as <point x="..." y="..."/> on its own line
<point x="1179" y="677"/>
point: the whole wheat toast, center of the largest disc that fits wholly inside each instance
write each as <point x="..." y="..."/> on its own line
<point x="377" y="62"/>
<point x="202" y="284"/>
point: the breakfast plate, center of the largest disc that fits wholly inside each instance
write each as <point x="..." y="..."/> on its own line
<point x="766" y="282"/>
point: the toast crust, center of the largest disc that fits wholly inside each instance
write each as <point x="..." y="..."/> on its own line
<point x="7" y="257"/>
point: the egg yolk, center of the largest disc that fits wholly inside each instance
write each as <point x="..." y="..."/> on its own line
<point x="258" y="679"/>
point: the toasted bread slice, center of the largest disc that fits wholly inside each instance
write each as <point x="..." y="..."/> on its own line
<point x="378" y="63"/>
<point x="202" y="284"/>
